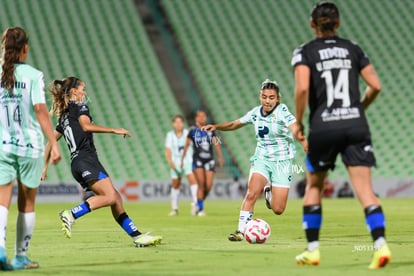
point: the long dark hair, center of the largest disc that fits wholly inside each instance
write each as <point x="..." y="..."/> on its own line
<point x="325" y="15"/>
<point x="12" y="42"/>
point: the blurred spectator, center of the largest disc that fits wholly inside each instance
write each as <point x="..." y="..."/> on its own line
<point x="345" y="191"/>
<point x="328" y="188"/>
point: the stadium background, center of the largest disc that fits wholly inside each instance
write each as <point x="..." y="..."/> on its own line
<point x="144" y="61"/>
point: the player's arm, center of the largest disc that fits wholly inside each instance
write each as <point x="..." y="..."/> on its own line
<point x="187" y="144"/>
<point x="48" y="150"/>
<point x="302" y="84"/>
<point x="217" y="146"/>
<point x="88" y="126"/>
<point x="373" y="85"/>
<point x="227" y="126"/>
<point x="297" y="131"/>
<point x="169" y="158"/>
<point x="43" y="118"/>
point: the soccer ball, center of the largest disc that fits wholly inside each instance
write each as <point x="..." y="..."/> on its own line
<point x="257" y="231"/>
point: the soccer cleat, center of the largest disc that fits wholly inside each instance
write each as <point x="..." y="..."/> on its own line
<point x="268" y="196"/>
<point x="173" y="213"/>
<point x="236" y="236"/>
<point x="22" y="262"/>
<point x="194" y="209"/>
<point x="146" y="239"/>
<point x="381" y="257"/>
<point x="309" y="257"/>
<point x="201" y="214"/>
<point x="4" y="263"/>
<point x="67" y="221"/>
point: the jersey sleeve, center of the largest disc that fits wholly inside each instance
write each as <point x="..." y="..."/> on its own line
<point x="363" y="59"/>
<point x="38" y="90"/>
<point x="59" y="128"/>
<point x="190" y="133"/>
<point x="83" y="110"/>
<point x="168" y="142"/>
<point x="299" y="57"/>
<point x="247" y="118"/>
<point x="286" y="116"/>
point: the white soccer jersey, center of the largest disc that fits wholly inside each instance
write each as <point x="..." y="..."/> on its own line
<point x="20" y="131"/>
<point x="274" y="139"/>
<point x="176" y="145"/>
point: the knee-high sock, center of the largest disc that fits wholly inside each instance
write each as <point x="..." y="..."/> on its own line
<point x="174" y="198"/>
<point x="312" y="221"/>
<point x="244" y="218"/>
<point x="194" y="190"/>
<point x="4" y="213"/>
<point x="24" y="231"/>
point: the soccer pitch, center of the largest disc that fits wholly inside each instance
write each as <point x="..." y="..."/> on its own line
<point x="199" y="245"/>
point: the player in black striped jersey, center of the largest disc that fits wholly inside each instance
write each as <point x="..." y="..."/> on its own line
<point x="76" y="126"/>
<point x="327" y="71"/>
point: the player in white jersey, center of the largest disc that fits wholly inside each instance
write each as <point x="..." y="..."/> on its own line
<point x="23" y="115"/>
<point x="275" y="150"/>
<point x="174" y="146"/>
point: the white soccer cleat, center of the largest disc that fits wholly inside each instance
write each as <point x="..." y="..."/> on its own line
<point x="146" y="239"/>
<point x="67" y="221"/>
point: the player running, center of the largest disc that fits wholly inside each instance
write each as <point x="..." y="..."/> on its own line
<point x="275" y="150"/>
<point x="76" y="126"/>
<point x="174" y="146"/>
<point x="203" y="158"/>
<point x="23" y="117"/>
<point x="327" y="73"/>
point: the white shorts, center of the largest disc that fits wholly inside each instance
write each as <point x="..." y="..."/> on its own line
<point x="180" y="172"/>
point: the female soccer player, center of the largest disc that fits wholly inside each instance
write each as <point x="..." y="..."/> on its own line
<point x="272" y="161"/>
<point x="23" y="117"/>
<point x="327" y="73"/>
<point x="76" y="125"/>
<point x="174" y="145"/>
<point x="203" y="158"/>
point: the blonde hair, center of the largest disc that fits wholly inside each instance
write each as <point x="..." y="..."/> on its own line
<point x="60" y="90"/>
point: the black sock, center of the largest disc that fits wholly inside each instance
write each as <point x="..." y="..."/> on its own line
<point x="312" y="220"/>
<point x="128" y="225"/>
<point x="375" y="220"/>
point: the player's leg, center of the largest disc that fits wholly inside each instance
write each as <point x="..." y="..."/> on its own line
<point x="360" y="177"/>
<point x="200" y="177"/>
<point x="6" y="191"/>
<point x="175" y="192"/>
<point x="312" y="217"/>
<point x="279" y="199"/>
<point x="255" y="186"/>
<point x="280" y="178"/>
<point x="209" y="169"/>
<point x="193" y="189"/>
<point x="30" y="171"/>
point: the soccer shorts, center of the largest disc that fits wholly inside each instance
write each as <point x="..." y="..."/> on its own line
<point x="206" y="164"/>
<point x="87" y="169"/>
<point x="27" y="170"/>
<point x="354" y="145"/>
<point x="180" y="172"/>
<point x="277" y="173"/>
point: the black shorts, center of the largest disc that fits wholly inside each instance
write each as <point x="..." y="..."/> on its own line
<point x="354" y="145"/>
<point x="206" y="164"/>
<point x="87" y="169"/>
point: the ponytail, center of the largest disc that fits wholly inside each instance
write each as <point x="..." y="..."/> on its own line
<point x="60" y="90"/>
<point x="12" y="42"/>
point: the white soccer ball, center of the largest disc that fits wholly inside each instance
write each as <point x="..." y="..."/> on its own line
<point x="257" y="231"/>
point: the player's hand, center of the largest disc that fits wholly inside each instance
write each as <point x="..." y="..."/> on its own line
<point x="182" y="164"/>
<point x="44" y="174"/>
<point x="122" y="131"/>
<point x="305" y="145"/>
<point x="172" y="166"/>
<point x="55" y="154"/>
<point x="208" y="128"/>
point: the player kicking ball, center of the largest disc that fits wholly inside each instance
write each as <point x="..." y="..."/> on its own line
<point x="76" y="126"/>
<point x="275" y="150"/>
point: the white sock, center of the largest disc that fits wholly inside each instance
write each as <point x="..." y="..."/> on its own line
<point x="245" y="217"/>
<point x="379" y="242"/>
<point x="194" y="190"/>
<point x="174" y="198"/>
<point x="24" y="230"/>
<point x="313" y="245"/>
<point x="4" y="212"/>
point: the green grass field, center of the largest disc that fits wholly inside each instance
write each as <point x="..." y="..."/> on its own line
<point x="198" y="245"/>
